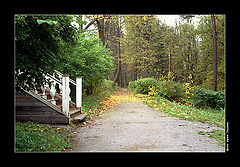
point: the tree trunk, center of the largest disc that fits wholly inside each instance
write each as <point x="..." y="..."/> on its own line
<point x="214" y="53"/>
<point x="169" y="61"/>
<point x="118" y="78"/>
<point x="81" y="25"/>
<point x="100" y="24"/>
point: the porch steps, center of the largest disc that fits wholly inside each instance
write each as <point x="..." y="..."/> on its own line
<point x="75" y="113"/>
<point x="39" y="106"/>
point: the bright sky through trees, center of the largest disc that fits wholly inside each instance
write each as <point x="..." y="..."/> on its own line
<point x="169" y="19"/>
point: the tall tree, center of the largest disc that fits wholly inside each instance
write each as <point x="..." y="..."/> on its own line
<point x="109" y="30"/>
<point x="37" y="39"/>
<point x="205" y="48"/>
<point x="214" y="53"/>
<point x="140" y="49"/>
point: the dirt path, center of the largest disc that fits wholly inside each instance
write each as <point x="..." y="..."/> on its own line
<point x="131" y="126"/>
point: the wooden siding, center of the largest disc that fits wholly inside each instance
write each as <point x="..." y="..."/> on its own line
<point x="29" y="108"/>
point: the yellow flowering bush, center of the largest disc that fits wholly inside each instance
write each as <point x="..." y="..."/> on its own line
<point x="188" y="89"/>
<point x="152" y="91"/>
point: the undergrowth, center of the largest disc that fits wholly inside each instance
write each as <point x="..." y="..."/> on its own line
<point x="176" y="109"/>
<point x="33" y="137"/>
<point x="172" y="108"/>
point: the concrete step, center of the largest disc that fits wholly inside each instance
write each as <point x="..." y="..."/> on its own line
<point x="79" y="118"/>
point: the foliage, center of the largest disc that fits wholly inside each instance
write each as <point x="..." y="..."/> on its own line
<point x="208" y="98"/>
<point x="140" y="47"/>
<point x="188" y="89"/>
<point x="37" y="45"/>
<point x="184" y="93"/>
<point x="204" y="70"/>
<point x="143" y="85"/>
<point x="33" y="137"/>
<point x="96" y="102"/>
<point x="186" y="112"/>
<point x="171" y="89"/>
<point x="132" y="85"/>
<point x="88" y="58"/>
<point x="107" y="86"/>
<point x="150" y="48"/>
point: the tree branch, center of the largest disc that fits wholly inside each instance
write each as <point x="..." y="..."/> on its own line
<point x="89" y="24"/>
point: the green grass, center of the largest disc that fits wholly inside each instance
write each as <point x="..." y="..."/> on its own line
<point x="219" y="135"/>
<point x="92" y="104"/>
<point x="33" y="137"/>
<point x="175" y="109"/>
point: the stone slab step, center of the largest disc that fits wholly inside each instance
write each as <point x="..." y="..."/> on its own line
<point x="79" y="118"/>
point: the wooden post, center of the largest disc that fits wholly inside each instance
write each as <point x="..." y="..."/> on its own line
<point x="65" y="94"/>
<point x="78" y="91"/>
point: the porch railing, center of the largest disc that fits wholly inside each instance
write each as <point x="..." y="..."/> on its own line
<point x="64" y="86"/>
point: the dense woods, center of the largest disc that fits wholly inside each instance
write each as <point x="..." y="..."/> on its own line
<point x="143" y="46"/>
<point x="121" y="48"/>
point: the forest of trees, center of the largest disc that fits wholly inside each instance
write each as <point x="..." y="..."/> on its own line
<point x="150" y="48"/>
<point x="122" y="48"/>
<point x="143" y="46"/>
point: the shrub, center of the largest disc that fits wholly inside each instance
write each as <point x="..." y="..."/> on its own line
<point x="132" y="85"/>
<point x="208" y="98"/>
<point x="105" y="87"/>
<point x="171" y="89"/>
<point x="108" y="85"/>
<point x="89" y="58"/>
<point x="143" y="85"/>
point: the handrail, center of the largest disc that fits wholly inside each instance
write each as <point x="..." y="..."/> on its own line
<point x="65" y="89"/>
<point x="58" y="81"/>
<point x="32" y="93"/>
<point x="52" y="77"/>
<point x="70" y="80"/>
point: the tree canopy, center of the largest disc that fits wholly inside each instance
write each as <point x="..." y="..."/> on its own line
<point x="122" y="48"/>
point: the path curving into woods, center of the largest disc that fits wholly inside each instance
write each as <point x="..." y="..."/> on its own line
<point x="131" y="126"/>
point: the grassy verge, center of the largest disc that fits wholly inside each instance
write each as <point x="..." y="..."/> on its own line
<point x="33" y="137"/>
<point x="175" y="109"/>
<point x="219" y="135"/>
<point x="94" y="104"/>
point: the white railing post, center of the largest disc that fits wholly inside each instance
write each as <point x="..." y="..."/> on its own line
<point x="65" y="94"/>
<point x="78" y="91"/>
<point x="52" y="93"/>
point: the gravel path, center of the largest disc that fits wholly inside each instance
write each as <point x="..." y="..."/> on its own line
<point x="131" y="126"/>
